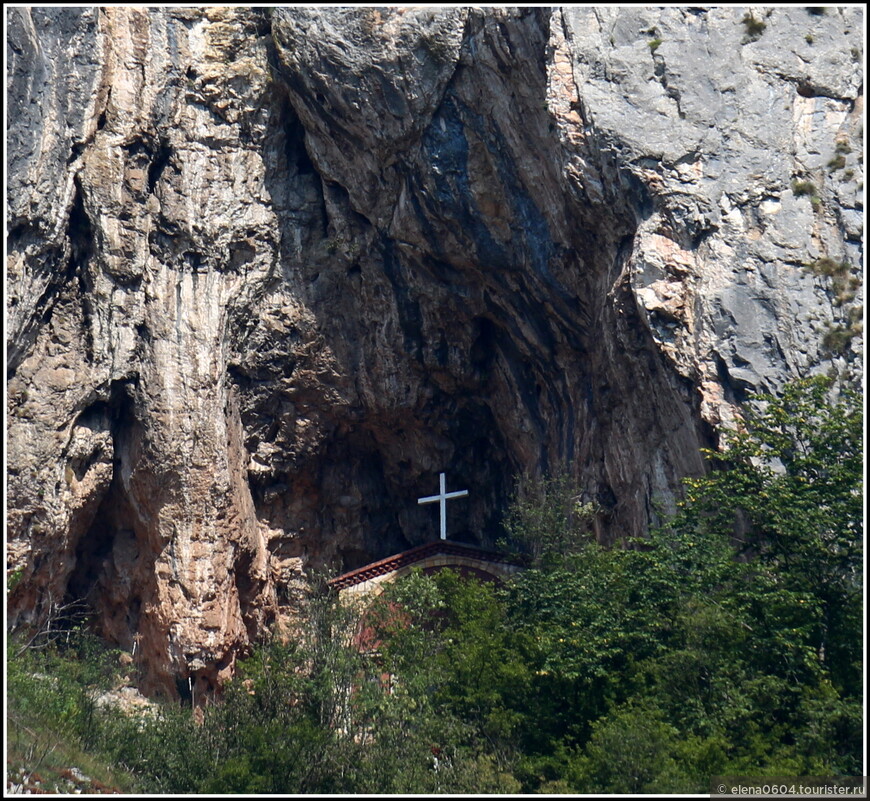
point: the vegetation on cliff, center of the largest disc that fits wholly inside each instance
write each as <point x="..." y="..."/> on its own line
<point x="728" y="642"/>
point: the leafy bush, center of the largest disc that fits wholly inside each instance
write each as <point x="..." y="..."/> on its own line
<point x="53" y="683"/>
<point x="844" y="284"/>
<point x="828" y="266"/>
<point x="837" y="339"/>
<point x="548" y="519"/>
<point x="754" y="27"/>
<point x="807" y="188"/>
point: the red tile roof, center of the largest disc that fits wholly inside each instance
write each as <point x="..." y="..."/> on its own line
<point x="413" y="555"/>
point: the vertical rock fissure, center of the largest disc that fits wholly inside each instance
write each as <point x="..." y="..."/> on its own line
<point x="108" y="550"/>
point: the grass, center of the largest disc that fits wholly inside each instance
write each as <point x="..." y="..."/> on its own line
<point x="45" y="755"/>
<point x="53" y="723"/>
<point x="807" y="188"/>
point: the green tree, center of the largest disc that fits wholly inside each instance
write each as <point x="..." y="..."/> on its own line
<point x="454" y="660"/>
<point x="794" y="475"/>
<point x="736" y="626"/>
<point x="547" y="519"/>
<point x="769" y="650"/>
<point x="631" y="751"/>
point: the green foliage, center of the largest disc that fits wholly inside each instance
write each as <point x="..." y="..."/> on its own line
<point x="796" y="477"/>
<point x="837" y="162"/>
<point x="844" y="284"/>
<point x="52" y="684"/>
<point x="449" y="643"/>
<point x="837" y="339"/>
<point x="633" y="751"/>
<point x="689" y="661"/>
<point x="754" y="27"/>
<point x="654" y="44"/>
<point x="547" y="520"/>
<point x="13" y="579"/>
<point x="801" y="188"/>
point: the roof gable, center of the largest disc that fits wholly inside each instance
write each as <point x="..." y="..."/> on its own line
<point x="432" y="555"/>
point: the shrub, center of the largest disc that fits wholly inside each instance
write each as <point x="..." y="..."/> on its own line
<point x="837" y="162"/>
<point x="844" y="284"/>
<point x="837" y="339"/>
<point x="56" y="681"/>
<point x="827" y="266"/>
<point x="548" y="520"/>
<point x="654" y="45"/>
<point x="754" y="27"/>
<point x="807" y="188"/>
<point x="845" y="287"/>
<point x="631" y="751"/>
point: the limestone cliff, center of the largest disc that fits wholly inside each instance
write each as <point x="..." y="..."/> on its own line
<point x="270" y="270"/>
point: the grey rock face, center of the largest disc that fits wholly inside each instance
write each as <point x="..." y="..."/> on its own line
<point x="721" y="127"/>
<point x="271" y="271"/>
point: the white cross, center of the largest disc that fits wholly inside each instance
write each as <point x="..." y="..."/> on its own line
<point x="442" y="500"/>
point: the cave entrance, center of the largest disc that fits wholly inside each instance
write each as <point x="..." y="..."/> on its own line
<point x="113" y="519"/>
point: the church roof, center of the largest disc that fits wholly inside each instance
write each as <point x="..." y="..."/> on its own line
<point x="418" y="554"/>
